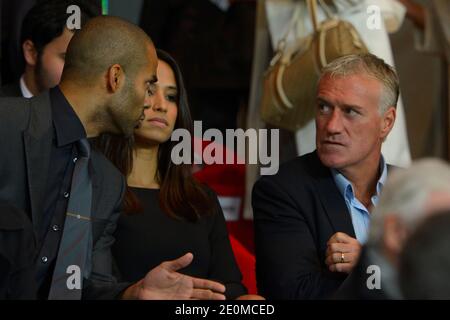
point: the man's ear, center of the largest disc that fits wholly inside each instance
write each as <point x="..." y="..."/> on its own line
<point x="115" y="78"/>
<point x="388" y="121"/>
<point x="30" y="53"/>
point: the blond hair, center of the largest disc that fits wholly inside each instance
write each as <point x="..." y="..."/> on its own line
<point x="371" y="66"/>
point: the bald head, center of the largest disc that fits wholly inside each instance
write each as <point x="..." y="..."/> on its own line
<point x="103" y="42"/>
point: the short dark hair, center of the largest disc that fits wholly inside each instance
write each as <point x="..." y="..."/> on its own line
<point x="102" y="42"/>
<point x="425" y="260"/>
<point x="47" y="20"/>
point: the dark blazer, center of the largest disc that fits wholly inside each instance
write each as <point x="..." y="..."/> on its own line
<point x="11" y="90"/>
<point x="17" y="253"/>
<point x="26" y="134"/>
<point x="296" y="212"/>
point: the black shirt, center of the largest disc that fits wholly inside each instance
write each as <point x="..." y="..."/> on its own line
<point x="144" y="240"/>
<point x="68" y="129"/>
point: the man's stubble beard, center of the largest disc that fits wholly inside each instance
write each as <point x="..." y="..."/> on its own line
<point x="128" y="98"/>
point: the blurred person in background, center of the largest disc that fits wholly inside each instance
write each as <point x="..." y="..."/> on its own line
<point x="425" y="260"/>
<point x="409" y="196"/>
<point x="44" y="40"/>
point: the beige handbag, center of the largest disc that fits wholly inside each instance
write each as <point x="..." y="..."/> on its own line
<point x="289" y="94"/>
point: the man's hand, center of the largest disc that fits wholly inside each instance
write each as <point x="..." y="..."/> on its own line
<point x="342" y="253"/>
<point x="165" y="283"/>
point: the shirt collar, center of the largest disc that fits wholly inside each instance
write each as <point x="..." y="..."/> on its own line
<point x="345" y="187"/>
<point x="68" y="127"/>
<point x="26" y="93"/>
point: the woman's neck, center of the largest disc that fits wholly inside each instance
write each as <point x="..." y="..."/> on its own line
<point x="145" y="165"/>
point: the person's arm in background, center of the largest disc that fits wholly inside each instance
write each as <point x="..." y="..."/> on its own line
<point x="427" y="36"/>
<point x="415" y="12"/>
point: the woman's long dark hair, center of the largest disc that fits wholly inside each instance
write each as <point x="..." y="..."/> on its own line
<point x="180" y="196"/>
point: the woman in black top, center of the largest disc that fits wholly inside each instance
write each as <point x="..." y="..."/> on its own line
<point x="167" y="212"/>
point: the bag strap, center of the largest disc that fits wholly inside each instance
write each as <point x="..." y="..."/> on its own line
<point x="279" y="86"/>
<point x="312" y="7"/>
<point x="312" y="4"/>
<point x="294" y="19"/>
<point x="281" y="47"/>
<point x="326" y="9"/>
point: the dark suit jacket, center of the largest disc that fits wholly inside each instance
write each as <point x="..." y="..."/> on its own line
<point x="296" y="212"/>
<point x="17" y="253"/>
<point x="11" y="90"/>
<point x="26" y="134"/>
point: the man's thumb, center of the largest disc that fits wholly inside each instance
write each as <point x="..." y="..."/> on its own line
<point x="179" y="263"/>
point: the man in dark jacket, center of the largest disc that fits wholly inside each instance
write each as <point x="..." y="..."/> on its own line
<point x="312" y="217"/>
<point x="17" y="253"/>
<point x="73" y="194"/>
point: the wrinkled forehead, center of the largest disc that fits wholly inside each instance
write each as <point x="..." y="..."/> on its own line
<point x="350" y="87"/>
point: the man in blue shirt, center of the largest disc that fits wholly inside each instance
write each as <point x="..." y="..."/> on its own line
<point x="410" y="196"/>
<point x="359" y="213"/>
<point x="312" y="217"/>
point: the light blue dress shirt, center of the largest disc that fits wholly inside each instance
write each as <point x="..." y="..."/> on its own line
<point x="359" y="213"/>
